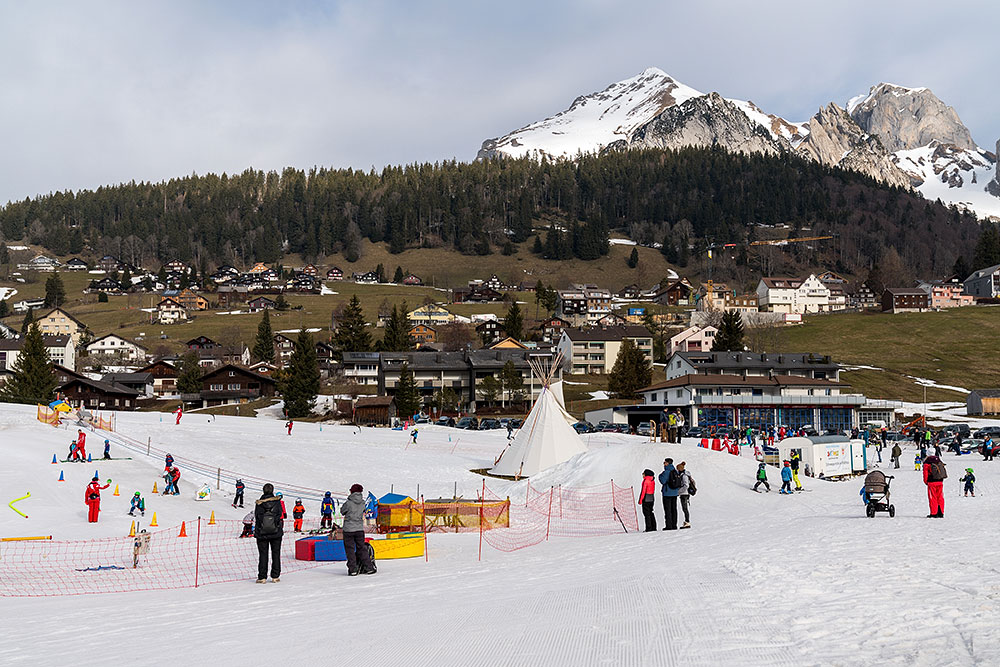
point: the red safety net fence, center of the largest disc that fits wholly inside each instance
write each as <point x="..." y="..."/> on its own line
<point x="156" y="560"/>
<point x="559" y="511"/>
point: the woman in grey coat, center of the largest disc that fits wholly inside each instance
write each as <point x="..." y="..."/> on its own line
<point x="358" y="556"/>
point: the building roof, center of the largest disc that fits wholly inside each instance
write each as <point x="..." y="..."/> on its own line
<point x="723" y="380"/>
<point x="782" y="361"/>
<point x="986" y="393"/>
<point x="131" y="378"/>
<point x="241" y="369"/>
<point x="374" y="402"/>
<point x="906" y="291"/>
<point x="103" y="387"/>
<point x="111" y="335"/>
<point x="782" y="283"/>
<point x="60" y="340"/>
<point x="607" y="333"/>
<point x="981" y="273"/>
<point x="60" y="310"/>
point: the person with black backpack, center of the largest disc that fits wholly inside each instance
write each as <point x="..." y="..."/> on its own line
<point x="934" y="475"/>
<point x="687" y="490"/>
<point x="270" y="526"/>
<point x="671" y="483"/>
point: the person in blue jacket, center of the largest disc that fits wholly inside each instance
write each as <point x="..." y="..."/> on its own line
<point x="107" y="449"/>
<point x="786" y="478"/>
<point x="326" y="511"/>
<point x="240" y="488"/>
<point x="671" y="483"/>
<point x="137" y="504"/>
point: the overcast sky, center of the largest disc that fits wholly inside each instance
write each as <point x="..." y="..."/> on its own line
<point x="93" y="93"/>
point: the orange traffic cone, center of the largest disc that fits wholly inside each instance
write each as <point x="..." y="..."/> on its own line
<point x="184" y="532"/>
<point x="153" y="523"/>
<point x="154" y="488"/>
<point x="211" y="519"/>
<point x="131" y="531"/>
<point x="116" y="490"/>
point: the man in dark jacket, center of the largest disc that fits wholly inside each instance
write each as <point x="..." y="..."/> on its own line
<point x="896" y="453"/>
<point x="670" y="493"/>
<point x="358" y="557"/>
<point x="269" y="525"/>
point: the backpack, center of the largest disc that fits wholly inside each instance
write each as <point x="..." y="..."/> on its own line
<point x="938" y="472"/>
<point x="691" y="487"/>
<point x="674" y="480"/>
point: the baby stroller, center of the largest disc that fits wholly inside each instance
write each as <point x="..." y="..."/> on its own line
<point x="877" y="494"/>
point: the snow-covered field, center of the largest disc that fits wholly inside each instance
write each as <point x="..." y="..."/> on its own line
<point x="760" y="579"/>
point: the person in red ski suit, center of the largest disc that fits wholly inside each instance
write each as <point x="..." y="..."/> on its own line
<point x="175" y="477"/>
<point x="179" y="412"/>
<point x="93" y="499"/>
<point x="81" y="441"/>
<point x="934" y="476"/>
<point x="289" y="425"/>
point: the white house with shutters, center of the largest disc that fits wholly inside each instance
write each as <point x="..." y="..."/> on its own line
<point x="116" y="346"/>
<point x="795" y="295"/>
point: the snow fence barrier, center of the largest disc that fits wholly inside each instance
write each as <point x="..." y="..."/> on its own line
<point x="156" y="560"/>
<point x="557" y="511"/>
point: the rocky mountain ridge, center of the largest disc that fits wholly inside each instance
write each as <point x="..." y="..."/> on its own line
<point x="900" y="136"/>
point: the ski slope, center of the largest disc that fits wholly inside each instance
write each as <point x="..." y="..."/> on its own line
<point x="760" y="579"/>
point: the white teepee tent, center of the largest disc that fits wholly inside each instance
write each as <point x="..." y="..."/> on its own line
<point x="546" y="438"/>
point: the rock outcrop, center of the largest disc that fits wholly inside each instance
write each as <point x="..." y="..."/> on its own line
<point x="993" y="187"/>
<point x="835" y="139"/>
<point x="906" y="118"/>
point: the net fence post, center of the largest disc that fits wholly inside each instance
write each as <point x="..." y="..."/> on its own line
<point x="218" y="479"/>
<point x="149" y="443"/>
<point x="482" y="500"/>
<point x="197" y="552"/>
<point x="548" y="519"/>
<point x="423" y="524"/>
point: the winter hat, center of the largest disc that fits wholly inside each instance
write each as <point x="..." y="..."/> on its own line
<point x="298" y="501"/>
<point x="268" y="489"/>
<point x="647" y="473"/>
<point x="136" y="493"/>
<point x="356" y="488"/>
<point x="968" y="470"/>
<point x="327" y="494"/>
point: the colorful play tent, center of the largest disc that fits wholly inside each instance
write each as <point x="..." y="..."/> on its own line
<point x="398" y="513"/>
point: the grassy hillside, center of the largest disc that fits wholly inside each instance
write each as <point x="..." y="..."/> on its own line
<point x="958" y="347"/>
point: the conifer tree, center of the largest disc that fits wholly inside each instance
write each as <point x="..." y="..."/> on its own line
<point x="398" y="276"/>
<point x="126" y="279"/>
<point x="55" y="291"/>
<point x="633" y="259"/>
<point x="407" y="395"/>
<point x="189" y="376"/>
<point x="4" y="309"/>
<point x="29" y="318"/>
<point x="263" y="347"/>
<point x="32" y="381"/>
<point x="352" y="331"/>
<point x="513" y="323"/>
<point x="730" y="335"/>
<point x="631" y="371"/>
<point x="300" y="383"/>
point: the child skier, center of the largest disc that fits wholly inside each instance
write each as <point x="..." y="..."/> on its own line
<point x="298" y="511"/>
<point x="289" y="426"/>
<point x="74" y="452"/>
<point x="167" y="490"/>
<point x="917" y="462"/>
<point x="168" y="462"/>
<point x="786" y="478"/>
<point x="413" y="437"/>
<point x="180" y="413"/>
<point x="137" y="504"/>
<point x="326" y="510"/>
<point x="107" y="449"/>
<point x="238" y="499"/>
<point x="762" y="478"/>
<point x="970" y="482"/>
<point x="248" y="525"/>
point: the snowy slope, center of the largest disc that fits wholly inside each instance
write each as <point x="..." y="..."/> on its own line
<point x="760" y="579"/>
<point x="953" y="175"/>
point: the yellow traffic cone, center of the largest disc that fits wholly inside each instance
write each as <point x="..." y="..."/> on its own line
<point x="154" y="488"/>
<point x="153" y="523"/>
<point x="211" y="519"/>
<point x="184" y="532"/>
<point x="116" y="490"/>
<point x="131" y="531"/>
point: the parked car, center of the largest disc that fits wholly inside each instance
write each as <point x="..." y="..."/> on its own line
<point x="516" y="423"/>
<point x="644" y="429"/>
<point x="489" y="424"/>
<point x="602" y="424"/>
<point x="422" y="419"/>
<point x="445" y="421"/>
<point x="953" y="429"/>
<point x="992" y="431"/>
<point x="695" y="432"/>
<point x="468" y="423"/>
<point x="583" y="427"/>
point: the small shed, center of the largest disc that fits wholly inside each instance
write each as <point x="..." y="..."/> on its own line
<point x="375" y="410"/>
<point x="983" y="402"/>
<point x="826" y="455"/>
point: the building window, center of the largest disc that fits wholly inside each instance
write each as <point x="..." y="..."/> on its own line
<point x="216" y="387"/>
<point x="233" y="387"/>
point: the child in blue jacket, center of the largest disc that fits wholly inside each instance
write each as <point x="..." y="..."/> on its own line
<point x="137" y="504"/>
<point x="786" y="478"/>
<point x="326" y="511"/>
<point x="970" y="482"/>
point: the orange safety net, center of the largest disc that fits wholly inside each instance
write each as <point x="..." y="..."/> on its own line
<point x="47" y="415"/>
<point x="463" y="516"/>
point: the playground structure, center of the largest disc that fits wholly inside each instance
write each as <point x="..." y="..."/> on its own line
<point x="55" y="412"/>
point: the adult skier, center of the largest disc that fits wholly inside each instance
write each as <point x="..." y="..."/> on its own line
<point x="268" y="515"/>
<point x="897" y="452"/>
<point x="647" y="499"/>
<point x="795" y="471"/>
<point x="179" y="412"/>
<point x="326" y="511"/>
<point x="93" y="498"/>
<point x="175" y="478"/>
<point x="81" y="444"/>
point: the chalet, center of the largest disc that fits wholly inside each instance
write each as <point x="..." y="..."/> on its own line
<point x="176" y="266"/>
<point x="431" y="314"/>
<point x="610" y="320"/>
<point x="375" y="410"/>
<point x="412" y="279"/>
<point x="629" y="292"/>
<point x="334" y="273"/>
<point x="64" y="375"/>
<point x="368" y="278"/>
<point x="188" y="299"/>
<point x="360" y="367"/>
<point x="483" y="295"/>
<point x="489" y="331"/>
<point x="76" y="264"/>
<point x="675" y="293"/>
<point x="866" y="297"/>
<point x="263" y="368"/>
<point x="422" y="334"/>
<point x="59" y="322"/>
<point x="552" y="328"/>
<point x="309" y="270"/>
<point x="202" y="343"/>
<point x="231" y="384"/>
<point x="40" y="263"/>
<point x="794" y="295"/>
<point x="283" y="349"/>
<point x="494" y="283"/>
<point x="109" y="264"/>
<point x="232" y="295"/>
<point x="905" y="300"/>
<point x="107" y="285"/>
<point x="831" y="277"/>
<point x="946" y="294"/>
<point x="508" y="343"/>
<point x="326" y="355"/>
<point x="740" y="303"/>
<point x="141" y="383"/>
<point x="259" y="303"/>
<point x="61" y="351"/>
<point x="25" y="305"/>
<point x="113" y="345"/>
<point x="98" y="395"/>
<point x="164" y="377"/>
<point x="168" y="311"/>
<point x="258" y="269"/>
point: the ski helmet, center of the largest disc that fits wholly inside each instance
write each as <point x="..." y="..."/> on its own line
<point x="137" y="494"/>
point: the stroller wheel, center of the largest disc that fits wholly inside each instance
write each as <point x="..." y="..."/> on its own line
<point x="870" y="510"/>
<point x="892" y="510"/>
